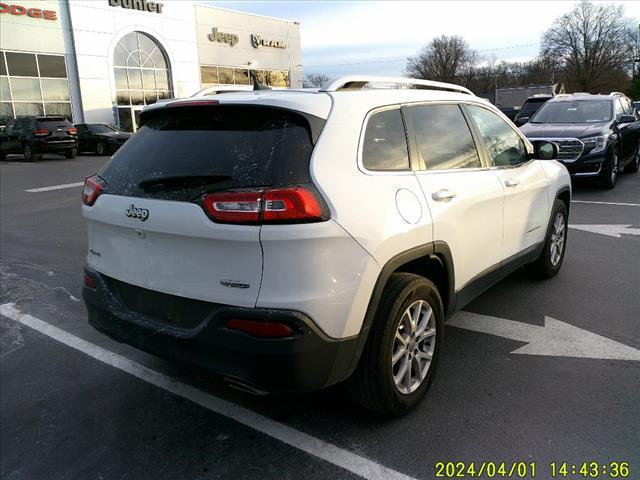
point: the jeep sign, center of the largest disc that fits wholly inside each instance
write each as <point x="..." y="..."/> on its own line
<point x="229" y="38"/>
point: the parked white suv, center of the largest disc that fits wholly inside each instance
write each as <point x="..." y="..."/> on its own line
<point x="290" y="240"/>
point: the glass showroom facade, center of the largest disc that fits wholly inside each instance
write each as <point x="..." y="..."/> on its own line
<point x="33" y="85"/>
<point x="211" y="75"/>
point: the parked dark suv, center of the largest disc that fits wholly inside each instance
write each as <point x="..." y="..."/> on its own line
<point x="100" y="138"/>
<point x="597" y="135"/>
<point x="530" y="107"/>
<point x="34" y="136"/>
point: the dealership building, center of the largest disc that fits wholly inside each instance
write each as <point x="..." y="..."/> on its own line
<point x="102" y="61"/>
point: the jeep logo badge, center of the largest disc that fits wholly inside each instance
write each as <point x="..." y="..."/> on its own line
<point x="134" y="212"/>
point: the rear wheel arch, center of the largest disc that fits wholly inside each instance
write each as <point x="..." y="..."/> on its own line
<point x="432" y="261"/>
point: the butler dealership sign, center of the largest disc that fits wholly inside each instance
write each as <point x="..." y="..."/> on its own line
<point x="141" y="5"/>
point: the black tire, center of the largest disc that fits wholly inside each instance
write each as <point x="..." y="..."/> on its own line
<point x="609" y="175"/>
<point x="634" y="165"/>
<point x="102" y="149"/>
<point x="29" y="154"/>
<point x="71" y="153"/>
<point x="543" y="267"/>
<point x="372" y="384"/>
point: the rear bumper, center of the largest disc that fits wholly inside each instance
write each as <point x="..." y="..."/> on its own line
<point x="304" y="362"/>
<point x="41" y="146"/>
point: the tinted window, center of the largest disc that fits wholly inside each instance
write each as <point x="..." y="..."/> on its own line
<point x="53" y="124"/>
<point x="443" y="137"/>
<point x="24" y="109"/>
<point x="576" y="111"/>
<point x="25" y="89"/>
<point x="504" y="145"/>
<point x="530" y="107"/>
<point x="101" y="128"/>
<point x="252" y="146"/>
<point x="22" y="64"/>
<point x="3" y="67"/>
<point x="385" y="142"/>
<point x="52" y="66"/>
<point x="55" y="89"/>
<point x="4" y="89"/>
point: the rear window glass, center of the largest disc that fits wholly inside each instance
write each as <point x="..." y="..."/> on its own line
<point x="385" y="142"/>
<point x="49" y="123"/>
<point x="530" y="107"/>
<point x="211" y="148"/>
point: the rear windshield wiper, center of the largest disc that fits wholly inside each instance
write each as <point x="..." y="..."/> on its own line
<point x="171" y="182"/>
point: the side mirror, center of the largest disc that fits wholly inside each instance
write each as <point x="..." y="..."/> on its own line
<point x="626" y="119"/>
<point x="544" y="150"/>
<point x="521" y="121"/>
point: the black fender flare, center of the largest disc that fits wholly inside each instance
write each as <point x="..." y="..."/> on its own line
<point x="437" y="249"/>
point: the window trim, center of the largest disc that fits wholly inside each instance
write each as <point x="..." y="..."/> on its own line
<point x="410" y="152"/>
<point x="485" y="150"/>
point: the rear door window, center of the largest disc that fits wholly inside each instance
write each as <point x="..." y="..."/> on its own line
<point x="385" y="142"/>
<point x="443" y="137"/>
<point x="180" y="153"/>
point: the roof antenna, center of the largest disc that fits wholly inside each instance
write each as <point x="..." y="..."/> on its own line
<point x="256" y="84"/>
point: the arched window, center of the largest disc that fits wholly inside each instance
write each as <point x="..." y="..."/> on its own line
<point x="142" y="75"/>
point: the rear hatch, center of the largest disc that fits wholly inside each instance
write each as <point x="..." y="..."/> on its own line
<point x="151" y="226"/>
<point x="55" y="130"/>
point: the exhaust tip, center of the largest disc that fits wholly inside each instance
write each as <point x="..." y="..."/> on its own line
<point x="244" y="387"/>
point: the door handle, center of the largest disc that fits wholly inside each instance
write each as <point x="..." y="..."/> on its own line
<point x="512" y="182"/>
<point x="443" y="195"/>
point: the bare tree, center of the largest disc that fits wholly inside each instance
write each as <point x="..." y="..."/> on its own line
<point x="594" y="43"/>
<point x="314" y="80"/>
<point x="445" y="58"/>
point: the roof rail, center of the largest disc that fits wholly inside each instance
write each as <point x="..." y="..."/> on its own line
<point x="616" y="93"/>
<point x="365" y="82"/>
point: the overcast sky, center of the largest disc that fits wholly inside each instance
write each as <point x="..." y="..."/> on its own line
<point x="376" y="37"/>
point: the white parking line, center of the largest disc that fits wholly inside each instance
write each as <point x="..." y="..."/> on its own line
<point x="326" y="451"/>
<point x="55" y="187"/>
<point x="608" y="203"/>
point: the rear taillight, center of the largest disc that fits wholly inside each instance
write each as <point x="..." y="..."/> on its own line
<point x="261" y="329"/>
<point x="281" y="205"/>
<point x="72" y="131"/>
<point x="41" y="132"/>
<point x="234" y="207"/>
<point x="89" y="282"/>
<point x="290" y="204"/>
<point x="93" y="187"/>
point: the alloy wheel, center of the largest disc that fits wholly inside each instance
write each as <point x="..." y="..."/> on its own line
<point x="413" y="347"/>
<point x="28" y="153"/>
<point x="614" y="169"/>
<point x="557" y="239"/>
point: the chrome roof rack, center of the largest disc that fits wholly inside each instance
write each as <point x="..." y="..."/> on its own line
<point x="365" y="82"/>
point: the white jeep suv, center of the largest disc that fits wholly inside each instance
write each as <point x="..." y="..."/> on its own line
<point x="291" y="240"/>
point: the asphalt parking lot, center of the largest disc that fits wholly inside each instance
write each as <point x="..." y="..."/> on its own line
<point x="75" y="404"/>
